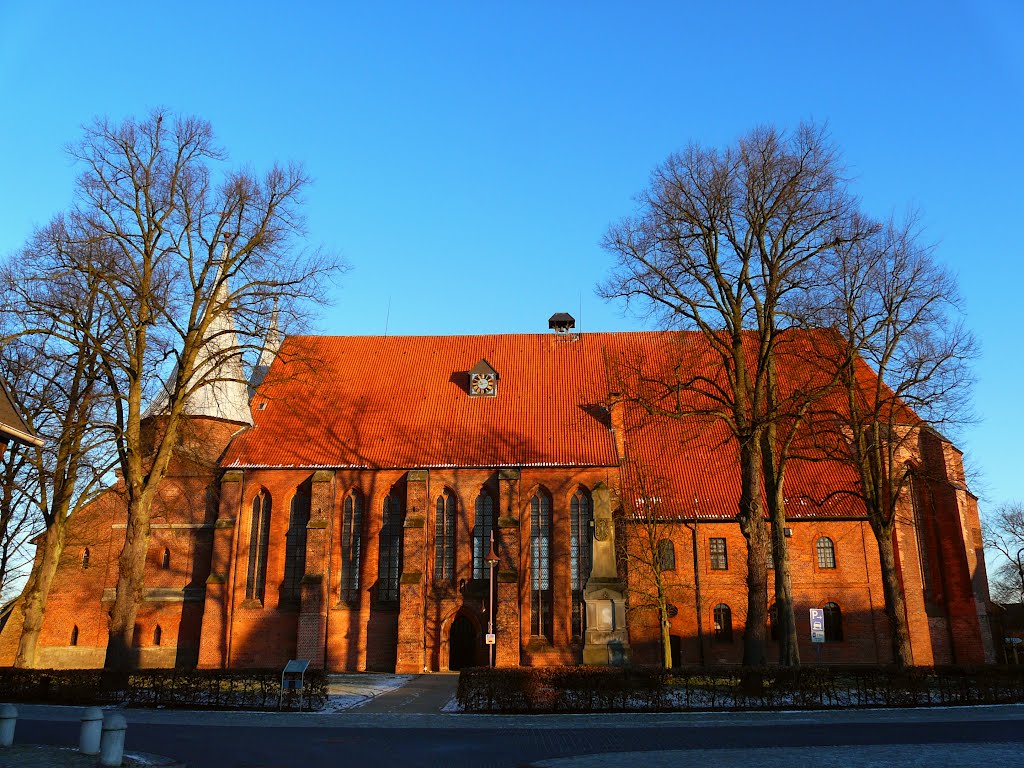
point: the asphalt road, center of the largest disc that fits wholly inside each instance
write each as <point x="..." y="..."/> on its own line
<point x="891" y="737"/>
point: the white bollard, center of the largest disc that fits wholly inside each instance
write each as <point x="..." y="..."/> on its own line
<point x="8" y="719"/>
<point x="92" y="729"/>
<point x="112" y="741"/>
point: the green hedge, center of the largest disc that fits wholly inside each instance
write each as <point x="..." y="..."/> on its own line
<point x="172" y="688"/>
<point x="606" y="689"/>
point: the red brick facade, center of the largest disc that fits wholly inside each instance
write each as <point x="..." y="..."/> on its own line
<point x="205" y="592"/>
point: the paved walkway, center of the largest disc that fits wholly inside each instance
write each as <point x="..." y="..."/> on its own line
<point x="422" y="695"/>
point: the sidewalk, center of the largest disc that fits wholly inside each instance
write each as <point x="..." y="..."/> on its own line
<point x="40" y="756"/>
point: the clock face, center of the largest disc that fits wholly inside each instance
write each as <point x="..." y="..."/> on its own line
<point x="482" y="384"/>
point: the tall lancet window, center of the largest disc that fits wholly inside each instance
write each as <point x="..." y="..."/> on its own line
<point x="444" y="538"/>
<point x="259" y="540"/>
<point x="389" y="556"/>
<point x="351" y="546"/>
<point x="483" y="526"/>
<point x="295" y="548"/>
<point x="540" y="565"/>
<point x="580" y="555"/>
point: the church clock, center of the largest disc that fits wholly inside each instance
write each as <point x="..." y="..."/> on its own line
<point x="483" y="380"/>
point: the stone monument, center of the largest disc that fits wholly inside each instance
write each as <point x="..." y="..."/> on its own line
<point x="607" y="639"/>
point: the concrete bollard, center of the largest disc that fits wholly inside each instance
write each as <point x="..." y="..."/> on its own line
<point x="112" y="741"/>
<point x="92" y="729"/>
<point x="8" y="719"/>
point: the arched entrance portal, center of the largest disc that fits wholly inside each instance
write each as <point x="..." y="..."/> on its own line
<point x="461" y="644"/>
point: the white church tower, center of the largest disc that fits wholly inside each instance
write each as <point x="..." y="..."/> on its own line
<point x="222" y="392"/>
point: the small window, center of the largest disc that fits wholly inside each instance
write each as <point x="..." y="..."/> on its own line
<point x="666" y="555"/>
<point x="833" y="623"/>
<point x="158" y="635"/>
<point x="723" y="623"/>
<point x="85" y="558"/>
<point x="719" y="554"/>
<point x="74" y="634"/>
<point x="826" y="553"/>
<point x="165" y="562"/>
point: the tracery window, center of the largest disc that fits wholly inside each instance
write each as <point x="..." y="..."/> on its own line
<point x="295" y="548"/>
<point x="444" y="538"/>
<point x="483" y="526"/>
<point x="540" y="565"/>
<point x="259" y="541"/>
<point x="581" y="519"/>
<point x="389" y="558"/>
<point x="351" y="546"/>
<point x="826" y="553"/>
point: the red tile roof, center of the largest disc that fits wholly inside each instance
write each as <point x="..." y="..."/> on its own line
<point x="403" y="402"/>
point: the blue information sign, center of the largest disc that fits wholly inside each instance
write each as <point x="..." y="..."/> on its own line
<point x="817" y="625"/>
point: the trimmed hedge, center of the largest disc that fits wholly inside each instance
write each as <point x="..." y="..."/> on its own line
<point x="171" y="688"/>
<point x="638" y="689"/>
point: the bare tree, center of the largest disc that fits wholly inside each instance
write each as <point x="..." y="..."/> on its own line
<point x="52" y="364"/>
<point x="182" y="246"/>
<point x="724" y="243"/>
<point x="1006" y="536"/>
<point x="902" y="366"/>
<point x="647" y="552"/>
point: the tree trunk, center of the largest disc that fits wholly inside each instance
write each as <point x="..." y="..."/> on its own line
<point x="37" y="590"/>
<point x="130" y="587"/>
<point x="785" y="617"/>
<point x="895" y="604"/>
<point x="755" y="531"/>
<point x="666" y="635"/>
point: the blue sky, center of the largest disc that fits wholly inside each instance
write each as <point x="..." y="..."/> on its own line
<point x="468" y="157"/>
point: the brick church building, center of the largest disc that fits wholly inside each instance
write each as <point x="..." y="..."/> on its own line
<point x="341" y="506"/>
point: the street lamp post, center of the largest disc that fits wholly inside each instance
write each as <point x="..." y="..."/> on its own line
<point x="492" y="560"/>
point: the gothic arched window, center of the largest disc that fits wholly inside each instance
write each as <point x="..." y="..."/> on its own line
<point x="165" y="561"/>
<point x="483" y="527"/>
<point x="723" y="623"/>
<point x="444" y="538"/>
<point x="540" y="565"/>
<point x="351" y="546"/>
<point x="259" y="541"/>
<point x="389" y="555"/>
<point x="158" y="635"/>
<point x="295" y="548"/>
<point x="580" y="555"/>
<point x="74" y="635"/>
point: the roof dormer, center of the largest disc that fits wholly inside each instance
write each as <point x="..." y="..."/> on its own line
<point x="483" y="380"/>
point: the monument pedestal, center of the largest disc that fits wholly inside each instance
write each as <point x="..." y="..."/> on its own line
<point x="607" y="639"/>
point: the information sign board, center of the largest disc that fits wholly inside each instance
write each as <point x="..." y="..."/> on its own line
<point x="817" y="625"/>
